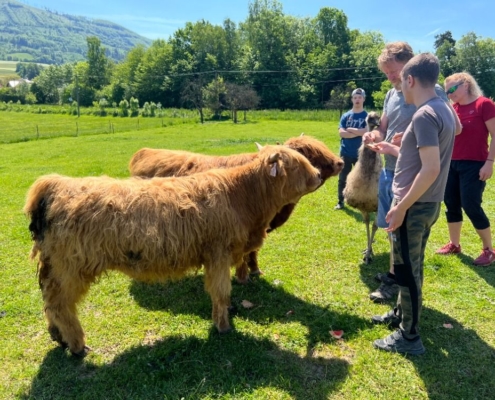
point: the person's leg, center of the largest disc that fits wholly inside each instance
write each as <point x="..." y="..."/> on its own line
<point x="472" y="189"/>
<point x="453" y="204"/>
<point x="455" y="233"/>
<point x="486" y="238"/>
<point x="348" y="164"/>
<point x="388" y="288"/>
<point x="409" y="246"/>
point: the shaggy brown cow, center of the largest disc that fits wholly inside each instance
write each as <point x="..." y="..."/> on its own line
<point x="148" y="163"/>
<point x="155" y="229"/>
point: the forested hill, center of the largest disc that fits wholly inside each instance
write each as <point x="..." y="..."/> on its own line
<point x="32" y="34"/>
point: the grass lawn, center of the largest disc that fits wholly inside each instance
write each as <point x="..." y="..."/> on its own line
<point x="157" y="341"/>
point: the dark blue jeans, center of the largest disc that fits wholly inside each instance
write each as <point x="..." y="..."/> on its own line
<point x="464" y="191"/>
<point x="349" y="162"/>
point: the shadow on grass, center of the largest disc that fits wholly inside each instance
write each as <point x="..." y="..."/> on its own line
<point x="352" y="212"/>
<point x="192" y="368"/>
<point x="457" y="364"/>
<point x="487" y="273"/>
<point x="272" y="303"/>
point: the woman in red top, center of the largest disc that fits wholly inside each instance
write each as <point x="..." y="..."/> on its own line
<point x="471" y="165"/>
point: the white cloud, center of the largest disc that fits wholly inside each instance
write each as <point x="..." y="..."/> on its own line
<point x="432" y="32"/>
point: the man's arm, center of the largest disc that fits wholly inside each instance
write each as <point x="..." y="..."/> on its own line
<point x="377" y="135"/>
<point x="346" y="134"/>
<point x="430" y="168"/>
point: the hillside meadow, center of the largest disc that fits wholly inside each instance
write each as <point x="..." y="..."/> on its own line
<point x="156" y="341"/>
<point x="7" y="68"/>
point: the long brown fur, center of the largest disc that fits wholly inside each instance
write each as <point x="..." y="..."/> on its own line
<point x="148" y="163"/>
<point x="155" y="229"/>
<point x="361" y="190"/>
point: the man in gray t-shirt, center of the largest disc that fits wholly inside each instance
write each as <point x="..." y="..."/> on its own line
<point x="418" y="188"/>
<point x="396" y="116"/>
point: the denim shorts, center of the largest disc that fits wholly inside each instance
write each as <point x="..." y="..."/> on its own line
<point x="385" y="196"/>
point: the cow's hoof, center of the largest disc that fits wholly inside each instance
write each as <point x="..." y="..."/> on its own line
<point x="224" y="330"/>
<point x="256" y="272"/>
<point x="82" y="353"/>
<point x="242" y="281"/>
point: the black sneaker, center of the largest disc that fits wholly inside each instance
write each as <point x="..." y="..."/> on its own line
<point x="397" y="343"/>
<point x="339" y="206"/>
<point x="390" y="319"/>
<point x="385" y="278"/>
<point x="384" y="293"/>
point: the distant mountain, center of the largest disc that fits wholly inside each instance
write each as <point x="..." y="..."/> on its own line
<point x="31" y="34"/>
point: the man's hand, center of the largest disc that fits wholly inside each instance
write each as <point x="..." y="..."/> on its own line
<point x="385" y="148"/>
<point x="397" y="138"/>
<point x="395" y="218"/>
<point x="368" y="137"/>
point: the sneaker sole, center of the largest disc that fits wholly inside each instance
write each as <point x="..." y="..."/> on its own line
<point x="418" y="352"/>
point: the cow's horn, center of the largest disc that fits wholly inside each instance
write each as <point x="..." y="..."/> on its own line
<point x="274" y="158"/>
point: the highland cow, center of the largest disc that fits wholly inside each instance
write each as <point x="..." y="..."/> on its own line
<point x="155" y="229"/>
<point x="148" y="163"/>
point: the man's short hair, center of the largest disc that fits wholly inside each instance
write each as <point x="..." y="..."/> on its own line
<point x="424" y="67"/>
<point x="396" y="51"/>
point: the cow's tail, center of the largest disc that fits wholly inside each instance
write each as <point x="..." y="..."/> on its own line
<point x="36" y="209"/>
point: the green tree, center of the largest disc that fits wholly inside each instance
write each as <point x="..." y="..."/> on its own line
<point x="28" y="70"/>
<point x="340" y="97"/>
<point x="476" y="55"/>
<point x="192" y="94"/>
<point x="365" y="49"/>
<point x="266" y="35"/>
<point x="98" y="65"/>
<point x="379" y="95"/>
<point x="123" y="79"/>
<point x="214" y="96"/>
<point x="50" y="83"/>
<point x="446" y="52"/>
<point x="152" y="72"/>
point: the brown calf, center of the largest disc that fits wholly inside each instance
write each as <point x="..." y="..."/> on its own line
<point x="148" y="163"/>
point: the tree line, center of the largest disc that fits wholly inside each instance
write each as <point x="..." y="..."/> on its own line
<point x="271" y="60"/>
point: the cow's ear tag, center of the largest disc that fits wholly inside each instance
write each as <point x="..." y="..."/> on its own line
<point x="273" y="170"/>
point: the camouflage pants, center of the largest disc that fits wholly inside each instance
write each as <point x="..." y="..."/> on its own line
<point x="409" y="252"/>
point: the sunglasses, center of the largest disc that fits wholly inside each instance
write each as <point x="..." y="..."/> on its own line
<point x="454" y="88"/>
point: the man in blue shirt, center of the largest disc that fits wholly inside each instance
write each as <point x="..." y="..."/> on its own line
<point x="351" y="129"/>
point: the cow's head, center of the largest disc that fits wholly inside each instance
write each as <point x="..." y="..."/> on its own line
<point x="290" y="168"/>
<point x="318" y="154"/>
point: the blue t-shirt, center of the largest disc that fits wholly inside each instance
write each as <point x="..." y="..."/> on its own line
<point x="349" y="147"/>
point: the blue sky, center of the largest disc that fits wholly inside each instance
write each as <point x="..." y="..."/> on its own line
<point x="415" y="21"/>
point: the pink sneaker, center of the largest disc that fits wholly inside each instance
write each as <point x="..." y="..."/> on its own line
<point x="449" y="248"/>
<point x="486" y="258"/>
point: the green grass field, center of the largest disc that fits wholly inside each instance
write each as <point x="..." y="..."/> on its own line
<point x="7" y="68"/>
<point x="157" y="341"/>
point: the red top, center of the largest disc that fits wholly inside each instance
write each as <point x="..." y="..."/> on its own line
<point x="472" y="143"/>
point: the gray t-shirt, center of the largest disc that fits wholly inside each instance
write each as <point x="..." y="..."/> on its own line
<point x="433" y="124"/>
<point x="399" y="116"/>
